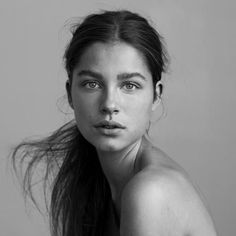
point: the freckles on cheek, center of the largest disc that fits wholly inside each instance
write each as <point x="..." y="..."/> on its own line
<point x="140" y="116"/>
<point x="140" y="107"/>
<point x="85" y="111"/>
<point x="80" y="103"/>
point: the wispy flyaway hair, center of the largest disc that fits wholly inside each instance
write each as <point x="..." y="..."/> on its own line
<point x="81" y="197"/>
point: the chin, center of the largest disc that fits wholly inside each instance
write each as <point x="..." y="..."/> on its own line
<point x="108" y="146"/>
<point x="113" y="145"/>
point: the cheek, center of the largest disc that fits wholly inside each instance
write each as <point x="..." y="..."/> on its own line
<point x="141" y="106"/>
<point x="83" y="105"/>
<point x="81" y="113"/>
<point x="140" y="111"/>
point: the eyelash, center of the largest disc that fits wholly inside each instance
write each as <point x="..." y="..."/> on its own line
<point x="90" y="82"/>
<point x="135" y="85"/>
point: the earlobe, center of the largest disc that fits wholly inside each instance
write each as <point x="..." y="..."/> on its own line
<point x="156" y="103"/>
<point x="68" y="90"/>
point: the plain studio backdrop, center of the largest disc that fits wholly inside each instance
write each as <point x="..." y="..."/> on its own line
<point x="198" y="130"/>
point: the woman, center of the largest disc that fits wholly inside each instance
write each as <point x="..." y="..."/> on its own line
<point x="111" y="180"/>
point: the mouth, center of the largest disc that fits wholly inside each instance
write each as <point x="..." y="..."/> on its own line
<point x="109" y="128"/>
<point x="109" y="125"/>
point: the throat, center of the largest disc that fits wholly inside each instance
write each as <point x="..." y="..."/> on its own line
<point x="119" y="167"/>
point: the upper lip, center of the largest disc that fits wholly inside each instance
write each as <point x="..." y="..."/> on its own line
<point x="109" y="123"/>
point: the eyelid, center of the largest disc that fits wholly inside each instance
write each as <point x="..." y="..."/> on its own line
<point x="98" y="83"/>
<point x="86" y="82"/>
<point x="135" y="84"/>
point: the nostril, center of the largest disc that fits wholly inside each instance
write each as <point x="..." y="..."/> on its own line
<point x="109" y="101"/>
<point x="109" y="110"/>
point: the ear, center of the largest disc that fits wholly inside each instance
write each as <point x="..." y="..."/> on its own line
<point x="157" y="100"/>
<point x="68" y="90"/>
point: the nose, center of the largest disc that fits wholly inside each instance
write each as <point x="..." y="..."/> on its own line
<point x="109" y="103"/>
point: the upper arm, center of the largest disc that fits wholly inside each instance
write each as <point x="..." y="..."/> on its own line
<point x="152" y="206"/>
<point x="145" y="210"/>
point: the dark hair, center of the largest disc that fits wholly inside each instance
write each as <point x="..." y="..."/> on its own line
<point x="121" y="26"/>
<point x="81" y="196"/>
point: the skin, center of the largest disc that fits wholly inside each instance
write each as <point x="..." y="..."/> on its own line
<point x="152" y="195"/>
<point x="114" y="97"/>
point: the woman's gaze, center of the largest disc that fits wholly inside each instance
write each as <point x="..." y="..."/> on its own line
<point x="112" y="180"/>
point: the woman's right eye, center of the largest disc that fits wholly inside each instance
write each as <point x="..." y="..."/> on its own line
<point x="91" y="85"/>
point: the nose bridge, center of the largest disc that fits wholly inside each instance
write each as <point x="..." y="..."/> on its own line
<point x="110" y="99"/>
<point x="110" y="95"/>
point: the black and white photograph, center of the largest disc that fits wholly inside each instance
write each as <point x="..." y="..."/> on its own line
<point x="117" y="118"/>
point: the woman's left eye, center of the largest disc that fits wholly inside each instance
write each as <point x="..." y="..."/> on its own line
<point x="130" y="86"/>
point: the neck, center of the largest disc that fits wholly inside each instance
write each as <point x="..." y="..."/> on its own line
<point x="119" y="167"/>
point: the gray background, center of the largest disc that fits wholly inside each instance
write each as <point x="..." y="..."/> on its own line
<point x="199" y="129"/>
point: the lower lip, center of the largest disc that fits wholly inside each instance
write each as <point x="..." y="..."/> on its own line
<point x="106" y="131"/>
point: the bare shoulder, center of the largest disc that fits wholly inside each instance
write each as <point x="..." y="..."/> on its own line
<point x="161" y="199"/>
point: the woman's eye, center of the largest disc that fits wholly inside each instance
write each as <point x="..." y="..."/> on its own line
<point x="130" y="86"/>
<point x="91" y="85"/>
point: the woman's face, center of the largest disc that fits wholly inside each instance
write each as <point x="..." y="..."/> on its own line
<point x="112" y="83"/>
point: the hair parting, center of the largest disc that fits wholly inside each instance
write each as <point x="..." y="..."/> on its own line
<point x="80" y="196"/>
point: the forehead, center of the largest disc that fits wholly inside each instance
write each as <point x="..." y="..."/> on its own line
<point x="113" y="57"/>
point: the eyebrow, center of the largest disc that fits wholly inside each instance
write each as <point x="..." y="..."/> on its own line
<point x="131" y="75"/>
<point x="121" y="76"/>
<point x="90" y="73"/>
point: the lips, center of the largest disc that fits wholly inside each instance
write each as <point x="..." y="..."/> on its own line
<point x="109" y="125"/>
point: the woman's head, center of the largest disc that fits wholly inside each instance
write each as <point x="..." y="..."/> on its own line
<point x="114" y="63"/>
<point x="122" y="26"/>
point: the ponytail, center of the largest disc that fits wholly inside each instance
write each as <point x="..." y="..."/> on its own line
<point x="80" y="192"/>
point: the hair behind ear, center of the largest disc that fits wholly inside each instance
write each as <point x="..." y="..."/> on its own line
<point x="160" y="89"/>
<point x="68" y="90"/>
